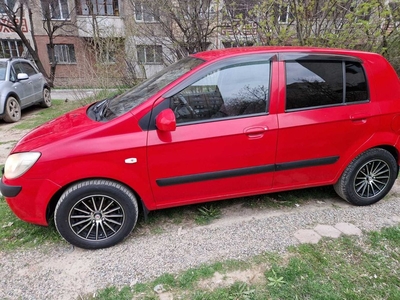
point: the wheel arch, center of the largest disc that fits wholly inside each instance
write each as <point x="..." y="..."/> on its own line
<point x="56" y="197"/>
<point x="11" y="94"/>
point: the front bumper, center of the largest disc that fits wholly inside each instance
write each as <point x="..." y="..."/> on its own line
<point x="8" y="190"/>
<point x="29" y="198"/>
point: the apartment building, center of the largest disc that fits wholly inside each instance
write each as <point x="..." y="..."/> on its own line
<point x="109" y="42"/>
<point x="96" y="42"/>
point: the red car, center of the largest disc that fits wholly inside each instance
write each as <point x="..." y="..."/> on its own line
<point x="215" y="125"/>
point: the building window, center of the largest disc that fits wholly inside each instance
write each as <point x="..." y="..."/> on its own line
<point x="98" y="7"/>
<point x="7" y="4"/>
<point x="144" y="13"/>
<point x="395" y="11"/>
<point x="11" y="48"/>
<point x="57" y="8"/>
<point x="282" y="12"/>
<point x="149" y="54"/>
<point x="64" y="53"/>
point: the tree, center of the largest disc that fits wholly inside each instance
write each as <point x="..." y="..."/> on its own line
<point x="183" y="26"/>
<point x="13" y="19"/>
<point x="368" y="25"/>
<point x="15" y="12"/>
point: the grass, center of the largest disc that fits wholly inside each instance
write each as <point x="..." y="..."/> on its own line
<point x="346" y="268"/>
<point x="16" y="234"/>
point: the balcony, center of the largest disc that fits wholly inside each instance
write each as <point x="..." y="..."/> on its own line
<point x="106" y="26"/>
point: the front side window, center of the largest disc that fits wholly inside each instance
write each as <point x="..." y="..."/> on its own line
<point x="149" y="54"/>
<point x="64" y="54"/>
<point x="58" y="9"/>
<point x="233" y="91"/>
<point x="311" y="84"/>
<point x="24" y="67"/>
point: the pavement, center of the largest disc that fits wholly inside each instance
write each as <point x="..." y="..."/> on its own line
<point x="312" y="236"/>
<point x="73" y="94"/>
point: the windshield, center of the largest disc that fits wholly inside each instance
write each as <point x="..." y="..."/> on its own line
<point x="138" y="94"/>
<point x="3" y="68"/>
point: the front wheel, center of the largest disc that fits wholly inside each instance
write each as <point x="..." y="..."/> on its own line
<point x="96" y="214"/>
<point x="12" y="112"/>
<point x="368" y="178"/>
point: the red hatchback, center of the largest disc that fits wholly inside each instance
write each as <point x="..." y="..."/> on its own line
<point x="215" y="125"/>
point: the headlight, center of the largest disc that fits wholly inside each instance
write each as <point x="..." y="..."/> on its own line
<point x="18" y="163"/>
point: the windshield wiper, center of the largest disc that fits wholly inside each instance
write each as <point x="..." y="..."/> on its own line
<point x="97" y="109"/>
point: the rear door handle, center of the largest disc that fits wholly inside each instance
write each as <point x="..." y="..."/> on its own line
<point x="362" y="117"/>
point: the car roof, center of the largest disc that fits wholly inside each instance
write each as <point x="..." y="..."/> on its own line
<point x="227" y="52"/>
<point x="13" y="59"/>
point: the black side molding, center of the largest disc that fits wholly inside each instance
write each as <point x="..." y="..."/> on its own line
<point x="247" y="171"/>
<point x="8" y="190"/>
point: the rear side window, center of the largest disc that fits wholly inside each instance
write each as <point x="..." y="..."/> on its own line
<point x="324" y="83"/>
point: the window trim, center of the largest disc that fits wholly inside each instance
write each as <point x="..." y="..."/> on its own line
<point x="209" y="68"/>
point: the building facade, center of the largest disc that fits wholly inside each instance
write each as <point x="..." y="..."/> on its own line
<point x="117" y="42"/>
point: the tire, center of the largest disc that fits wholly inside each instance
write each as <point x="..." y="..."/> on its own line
<point x="46" y="102"/>
<point x="12" y="111"/>
<point x="368" y="178"/>
<point x="96" y="214"/>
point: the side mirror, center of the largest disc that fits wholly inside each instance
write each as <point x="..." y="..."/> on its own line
<point x="22" y="76"/>
<point x="166" y="121"/>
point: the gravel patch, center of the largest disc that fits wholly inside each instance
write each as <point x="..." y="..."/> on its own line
<point x="64" y="272"/>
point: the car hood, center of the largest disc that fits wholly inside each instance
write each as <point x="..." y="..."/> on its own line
<point x="69" y="124"/>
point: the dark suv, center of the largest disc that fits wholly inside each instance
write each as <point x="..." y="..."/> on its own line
<point x="21" y="85"/>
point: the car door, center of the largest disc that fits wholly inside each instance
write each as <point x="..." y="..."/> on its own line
<point x="325" y="116"/>
<point x="35" y="80"/>
<point x="225" y="139"/>
<point x="24" y="87"/>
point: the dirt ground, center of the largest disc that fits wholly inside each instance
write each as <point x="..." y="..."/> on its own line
<point x="81" y="262"/>
<point x="9" y="136"/>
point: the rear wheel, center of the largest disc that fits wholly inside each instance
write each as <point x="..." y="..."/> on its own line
<point x="368" y="178"/>
<point x="46" y="102"/>
<point x="96" y="214"/>
<point x="12" y="112"/>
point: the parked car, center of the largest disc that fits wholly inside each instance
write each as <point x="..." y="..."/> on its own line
<point x="21" y="85"/>
<point x="215" y="125"/>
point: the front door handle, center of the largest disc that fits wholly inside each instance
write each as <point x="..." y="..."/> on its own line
<point x="255" y="132"/>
